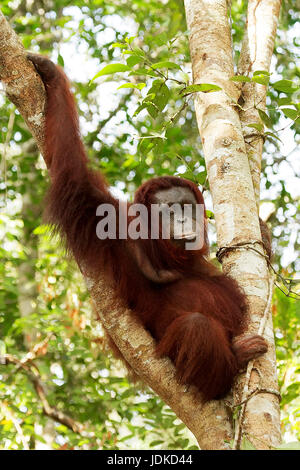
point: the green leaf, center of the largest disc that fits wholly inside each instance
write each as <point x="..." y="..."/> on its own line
<point x="150" y="96"/>
<point x="209" y="214"/>
<point x="271" y="134"/>
<point x="291" y="113"/>
<point x="111" y="69"/>
<point x="140" y="108"/>
<point x="201" y="177"/>
<point x="128" y="52"/>
<point x="265" y="118"/>
<point x="152" y="109"/>
<point x="284" y="101"/>
<point x="125" y="438"/>
<point x="261" y="72"/>
<point x="60" y="60"/>
<point x="189" y="175"/>
<point x="158" y="94"/>
<point x="179" y="428"/>
<point x="156" y="99"/>
<point x="41" y="230"/>
<point x="203" y="87"/>
<point x="156" y="443"/>
<point x="286" y="86"/>
<point x="133" y="60"/>
<point x="140" y="86"/>
<point x="138" y="51"/>
<point x="261" y="79"/>
<point x="166" y="65"/>
<point x="145" y="145"/>
<point x="143" y="71"/>
<point x="257" y="126"/>
<point x="130" y="39"/>
<point x="240" y="78"/>
<point x="130" y="162"/>
<point x="119" y="44"/>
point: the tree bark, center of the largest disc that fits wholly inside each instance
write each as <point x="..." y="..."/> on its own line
<point x="210" y="422"/>
<point x="235" y="208"/>
<point x="256" y="54"/>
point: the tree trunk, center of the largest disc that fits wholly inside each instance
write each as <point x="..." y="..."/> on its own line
<point x="236" y="215"/>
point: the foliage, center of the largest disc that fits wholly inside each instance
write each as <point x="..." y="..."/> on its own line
<point x="138" y="121"/>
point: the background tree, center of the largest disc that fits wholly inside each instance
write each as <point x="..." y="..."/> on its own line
<point x="76" y="375"/>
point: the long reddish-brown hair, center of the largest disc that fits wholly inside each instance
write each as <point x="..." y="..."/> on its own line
<point x="194" y="317"/>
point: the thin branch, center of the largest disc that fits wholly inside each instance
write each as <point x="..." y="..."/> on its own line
<point x="37" y="350"/>
<point x="34" y="376"/>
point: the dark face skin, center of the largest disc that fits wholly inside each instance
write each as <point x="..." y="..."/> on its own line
<point x="182" y="226"/>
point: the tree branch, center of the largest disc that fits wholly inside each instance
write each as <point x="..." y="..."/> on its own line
<point x="21" y="82"/>
<point x="33" y="374"/>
